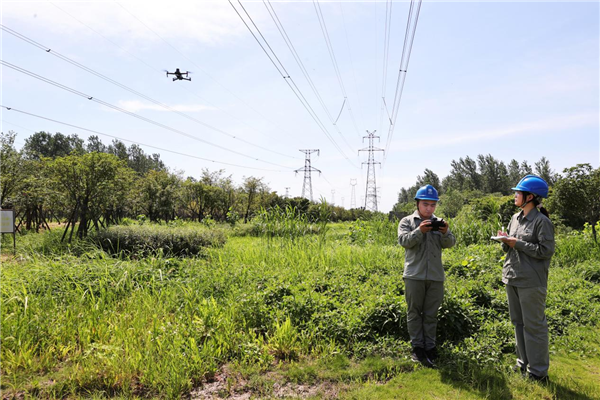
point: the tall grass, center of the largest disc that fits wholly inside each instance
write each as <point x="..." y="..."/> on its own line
<point x="90" y="324"/>
<point x="287" y="222"/>
<point x="186" y="240"/>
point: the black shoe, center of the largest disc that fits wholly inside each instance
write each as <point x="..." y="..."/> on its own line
<point x="432" y="355"/>
<point x="418" y="355"/>
<point x="517" y="368"/>
<point x="541" y="379"/>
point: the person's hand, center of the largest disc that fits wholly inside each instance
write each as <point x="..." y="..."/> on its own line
<point x="510" y="241"/>
<point x="425" y="226"/>
<point x="501" y="233"/>
<point x="444" y="229"/>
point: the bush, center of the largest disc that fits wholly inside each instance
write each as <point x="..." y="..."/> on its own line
<point x="148" y="239"/>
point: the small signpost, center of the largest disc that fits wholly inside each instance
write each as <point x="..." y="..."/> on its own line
<point x="7" y="225"/>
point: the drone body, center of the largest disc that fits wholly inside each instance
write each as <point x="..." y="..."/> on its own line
<point x="179" y="75"/>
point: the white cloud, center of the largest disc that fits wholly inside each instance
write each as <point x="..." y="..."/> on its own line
<point x="525" y="128"/>
<point x="136" y="105"/>
<point x="209" y="22"/>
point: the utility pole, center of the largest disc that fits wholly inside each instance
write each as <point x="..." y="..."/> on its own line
<point x="307" y="185"/>
<point x="371" y="189"/>
<point x="353" y="193"/>
<point x="332" y="196"/>
<point x="342" y="202"/>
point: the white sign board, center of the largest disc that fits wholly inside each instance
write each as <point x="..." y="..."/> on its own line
<point x="7" y="221"/>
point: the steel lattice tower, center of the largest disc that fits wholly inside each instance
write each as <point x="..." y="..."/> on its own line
<point x="307" y="170"/>
<point x="353" y="193"/>
<point x="371" y="189"/>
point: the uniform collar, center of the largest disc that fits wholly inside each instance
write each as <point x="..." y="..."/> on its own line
<point x="530" y="215"/>
<point x="416" y="215"/>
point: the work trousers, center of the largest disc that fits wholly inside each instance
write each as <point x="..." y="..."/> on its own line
<point x="527" y="313"/>
<point x="423" y="299"/>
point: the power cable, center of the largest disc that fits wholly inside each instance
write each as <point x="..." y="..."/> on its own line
<point x="353" y="75"/>
<point x="303" y="69"/>
<point x="130" y="141"/>
<point x="290" y="82"/>
<point x="73" y="91"/>
<point x="165" y="106"/>
<point x="325" y="32"/>
<point x="200" y="68"/>
<point x="386" y="46"/>
<point x="157" y="69"/>
<point x="409" y="36"/>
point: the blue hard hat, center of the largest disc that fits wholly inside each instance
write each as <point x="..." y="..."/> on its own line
<point x="533" y="184"/>
<point x="427" y="192"/>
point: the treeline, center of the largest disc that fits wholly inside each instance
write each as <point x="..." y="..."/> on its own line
<point x="482" y="187"/>
<point x="92" y="185"/>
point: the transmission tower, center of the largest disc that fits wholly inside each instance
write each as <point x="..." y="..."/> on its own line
<point x="353" y="193"/>
<point x="342" y="202"/>
<point x="332" y="196"/>
<point x="307" y="185"/>
<point x="371" y="190"/>
<point x="287" y="192"/>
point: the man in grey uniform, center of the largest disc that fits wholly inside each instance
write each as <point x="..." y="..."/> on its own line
<point x="529" y="246"/>
<point x="423" y="272"/>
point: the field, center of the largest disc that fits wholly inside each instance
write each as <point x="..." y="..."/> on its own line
<point x="276" y="310"/>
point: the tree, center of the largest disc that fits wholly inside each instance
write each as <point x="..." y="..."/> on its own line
<point x="140" y="162"/>
<point x="118" y="148"/>
<point x="43" y="144"/>
<point x="514" y="173"/>
<point x="525" y="169"/>
<point x="158" y="194"/>
<point x="493" y="174"/>
<point x="90" y="183"/>
<point x="95" y="145"/>
<point x="429" y="178"/>
<point x="464" y="175"/>
<point x="576" y="196"/>
<point x="11" y="171"/>
<point x="251" y="187"/>
<point x="543" y="170"/>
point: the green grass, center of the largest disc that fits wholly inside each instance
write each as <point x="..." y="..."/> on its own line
<point x="324" y="312"/>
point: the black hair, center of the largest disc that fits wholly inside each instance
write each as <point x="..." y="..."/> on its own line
<point x="536" y="202"/>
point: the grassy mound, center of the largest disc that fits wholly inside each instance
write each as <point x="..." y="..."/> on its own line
<point x="151" y="239"/>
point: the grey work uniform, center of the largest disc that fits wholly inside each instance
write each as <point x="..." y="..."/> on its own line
<point x="423" y="277"/>
<point x="525" y="273"/>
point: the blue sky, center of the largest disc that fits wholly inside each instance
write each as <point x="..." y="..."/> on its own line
<point x="511" y="79"/>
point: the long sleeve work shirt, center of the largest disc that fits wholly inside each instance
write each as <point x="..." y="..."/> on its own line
<point x="527" y="264"/>
<point x="423" y="255"/>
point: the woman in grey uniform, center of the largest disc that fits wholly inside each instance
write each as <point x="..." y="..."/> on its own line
<point x="423" y="241"/>
<point x="529" y="245"/>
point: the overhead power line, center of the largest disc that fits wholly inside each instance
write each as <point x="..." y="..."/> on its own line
<point x="106" y="78"/>
<point x="81" y="94"/>
<point x="353" y="74"/>
<point x="131" y="141"/>
<point x="158" y="69"/>
<point x="386" y="54"/>
<point x="303" y="69"/>
<point x="290" y="82"/>
<point x="409" y="36"/>
<point x="336" y="68"/>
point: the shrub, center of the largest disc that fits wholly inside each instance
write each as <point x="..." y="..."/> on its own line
<point x="148" y="239"/>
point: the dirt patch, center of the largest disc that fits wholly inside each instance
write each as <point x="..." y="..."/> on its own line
<point x="227" y="387"/>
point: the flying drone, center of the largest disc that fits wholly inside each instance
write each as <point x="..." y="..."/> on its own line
<point x="179" y="75"/>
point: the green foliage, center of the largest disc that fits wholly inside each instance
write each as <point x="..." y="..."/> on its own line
<point x="285" y="341"/>
<point x="150" y="239"/>
<point x="576" y="196"/>
<point x="287" y="222"/>
<point x="379" y="230"/>
<point x="93" y="183"/>
<point x="156" y="327"/>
